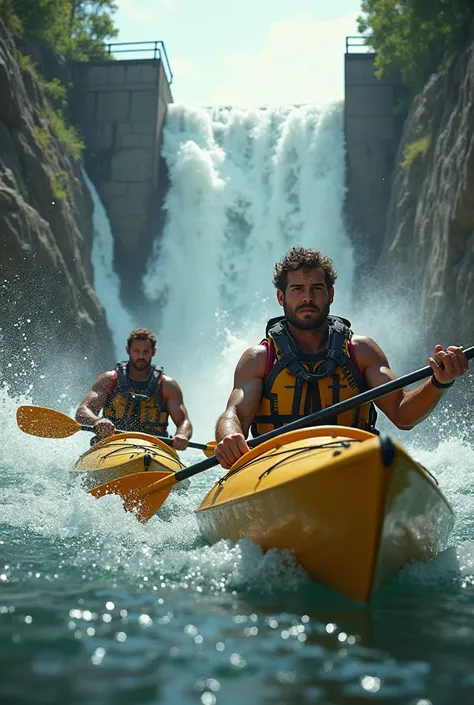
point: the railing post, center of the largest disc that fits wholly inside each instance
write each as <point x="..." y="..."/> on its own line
<point x="158" y="47"/>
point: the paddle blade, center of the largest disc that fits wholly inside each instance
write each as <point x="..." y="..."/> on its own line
<point x="45" y="423"/>
<point x="142" y="493"/>
<point x="210" y="449"/>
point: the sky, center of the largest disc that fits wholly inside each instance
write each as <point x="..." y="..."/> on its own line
<point x="247" y="52"/>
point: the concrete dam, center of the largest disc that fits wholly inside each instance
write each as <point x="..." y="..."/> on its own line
<point x="120" y="107"/>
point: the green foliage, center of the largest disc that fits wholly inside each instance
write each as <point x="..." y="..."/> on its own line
<point x="415" y="149"/>
<point x="66" y="135"/>
<point x="59" y="181"/>
<point x="55" y="91"/>
<point x="414" y="37"/>
<point x="27" y="64"/>
<point x="75" y="28"/>
<point x="90" y="24"/>
<point x="45" y="20"/>
<point x="9" y="16"/>
<point x="43" y="137"/>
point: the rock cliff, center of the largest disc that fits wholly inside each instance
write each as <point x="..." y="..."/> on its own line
<point x="428" y="249"/>
<point x="53" y="330"/>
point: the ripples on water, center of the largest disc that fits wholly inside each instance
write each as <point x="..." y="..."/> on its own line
<point x="97" y="608"/>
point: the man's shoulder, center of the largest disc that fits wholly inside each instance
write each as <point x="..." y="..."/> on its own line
<point x="105" y="382"/>
<point x="255" y="354"/>
<point x="109" y="375"/>
<point x="367" y="351"/>
<point x="107" y="378"/>
<point x="168" y="384"/>
<point x="253" y="361"/>
<point x="359" y="341"/>
<point x="258" y="352"/>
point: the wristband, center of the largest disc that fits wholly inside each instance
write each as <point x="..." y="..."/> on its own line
<point x="440" y="385"/>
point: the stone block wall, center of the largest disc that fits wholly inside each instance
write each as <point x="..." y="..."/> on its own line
<point x="372" y="132"/>
<point x="120" y="108"/>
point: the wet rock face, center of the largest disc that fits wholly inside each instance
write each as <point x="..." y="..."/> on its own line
<point x="428" y="250"/>
<point x="50" y="317"/>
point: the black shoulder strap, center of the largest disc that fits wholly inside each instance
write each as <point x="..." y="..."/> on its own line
<point x="339" y="333"/>
<point x="333" y="355"/>
<point x="122" y="382"/>
<point x="156" y="374"/>
<point x="276" y="329"/>
<point x="344" y="321"/>
<point x="272" y="323"/>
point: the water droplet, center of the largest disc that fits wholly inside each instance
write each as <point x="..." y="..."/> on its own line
<point x="370" y="683"/>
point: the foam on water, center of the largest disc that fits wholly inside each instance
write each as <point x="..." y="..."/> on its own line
<point x="39" y="498"/>
<point x="95" y="536"/>
<point x="244" y="186"/>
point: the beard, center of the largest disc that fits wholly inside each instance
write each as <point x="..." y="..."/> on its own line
<point x="309" y="322"/>
<point x="140" y="365"/>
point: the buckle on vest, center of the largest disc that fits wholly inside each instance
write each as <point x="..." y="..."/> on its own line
<point x="138" y="397"/>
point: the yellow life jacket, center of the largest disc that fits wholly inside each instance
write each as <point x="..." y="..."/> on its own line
<point x="138" y="406"/>
<point x="299" y="383"/>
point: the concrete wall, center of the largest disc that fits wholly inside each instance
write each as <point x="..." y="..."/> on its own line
<point x="372" y="131"/>
<point x="120" y="107"/>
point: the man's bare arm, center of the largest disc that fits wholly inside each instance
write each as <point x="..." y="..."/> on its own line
<point x="93" y="402"/>
<point x="173" y="397"/>
<point x="233" y="425"/>
<point x="408" y="408"/>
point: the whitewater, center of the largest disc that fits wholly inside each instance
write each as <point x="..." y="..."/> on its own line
<point x="97" y="608"/>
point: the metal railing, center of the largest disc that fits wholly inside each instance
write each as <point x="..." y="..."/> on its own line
<point x="356" y="45"/>
<point x="148" y="50"/>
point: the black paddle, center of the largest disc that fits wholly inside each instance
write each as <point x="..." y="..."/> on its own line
<point x="146" y="498"/>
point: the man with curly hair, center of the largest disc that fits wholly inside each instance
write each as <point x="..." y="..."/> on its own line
<point x="137" y="396"/>
<point x="310" y="360"/>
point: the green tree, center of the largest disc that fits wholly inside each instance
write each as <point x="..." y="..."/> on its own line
<point x="414" y="37"/>
<point x="43" y="19"/>
<point x="90" y="25"/>
<point x="75" y="28"/>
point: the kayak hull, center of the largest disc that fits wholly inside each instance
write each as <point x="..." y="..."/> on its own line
<point x="352" y="507"/>
<point x="124" y="454"/>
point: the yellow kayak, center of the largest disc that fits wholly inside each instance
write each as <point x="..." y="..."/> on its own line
<point x="125" y="454"/>
<point x="353" y="507"/>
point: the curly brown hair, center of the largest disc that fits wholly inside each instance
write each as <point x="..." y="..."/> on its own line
<point x="141" y="334"/>
<point x="303" y="258"/>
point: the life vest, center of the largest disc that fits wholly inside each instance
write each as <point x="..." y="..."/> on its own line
<point x="299" y="383"/>
<point x="137" y="406"/>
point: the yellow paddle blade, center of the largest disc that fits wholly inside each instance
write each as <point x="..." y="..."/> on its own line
<point x="46" y="423"/>
<point x="142" y="492"/>
<point x="210" y="449"/>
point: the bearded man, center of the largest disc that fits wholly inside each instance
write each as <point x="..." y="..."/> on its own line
<point x="137" y="396"/>
<point x="310" y="360"/>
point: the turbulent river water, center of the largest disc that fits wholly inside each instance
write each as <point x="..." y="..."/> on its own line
<point x="97" y="608"/>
